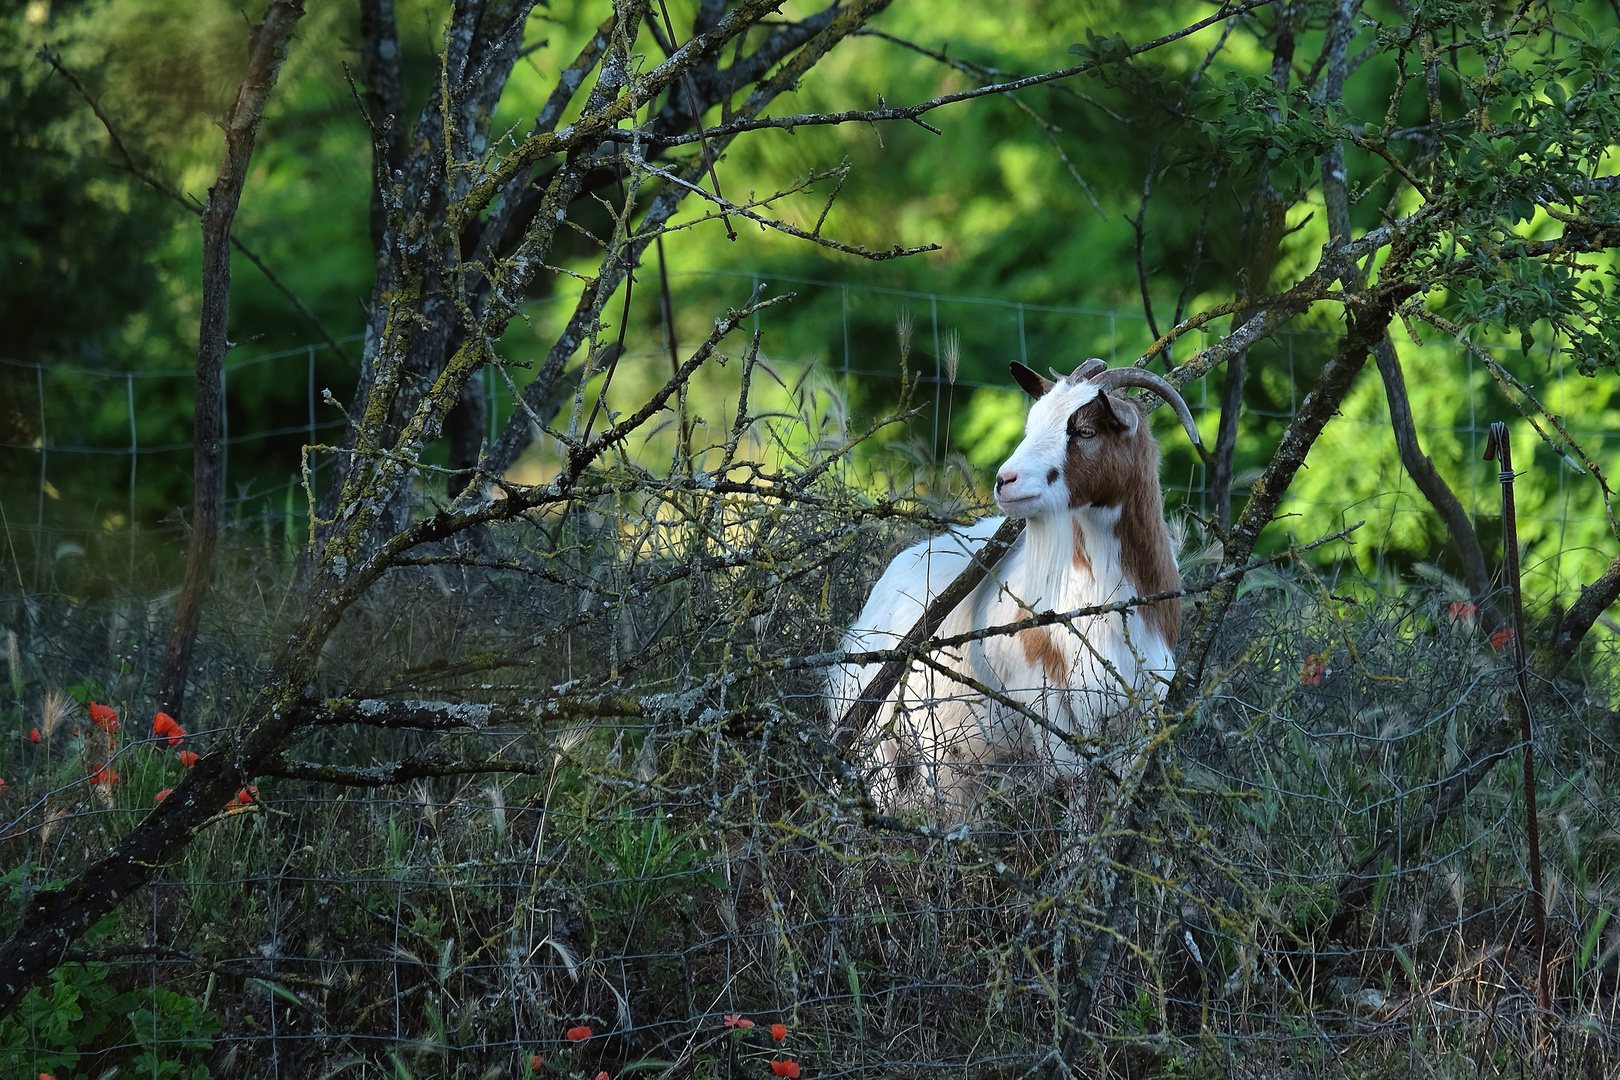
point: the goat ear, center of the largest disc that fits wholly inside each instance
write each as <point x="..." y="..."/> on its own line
<point x="1119" y="414"/>
<point x="1033" y="384"/>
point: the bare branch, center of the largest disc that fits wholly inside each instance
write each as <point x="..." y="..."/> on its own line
<point x="913" y="112"/>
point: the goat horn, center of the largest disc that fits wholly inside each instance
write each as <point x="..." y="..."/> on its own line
<point x="1089" y="369"/>
<point x="1081" y="373"/>
<point x="1120" y="377"/>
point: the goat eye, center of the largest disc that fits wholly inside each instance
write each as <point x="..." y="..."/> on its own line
<point x="1086" y="432"/>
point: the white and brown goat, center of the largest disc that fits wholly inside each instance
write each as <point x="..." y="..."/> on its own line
<point x="1086" y="481"/>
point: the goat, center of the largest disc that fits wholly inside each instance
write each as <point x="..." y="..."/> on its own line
<point x="1086" y="481"/>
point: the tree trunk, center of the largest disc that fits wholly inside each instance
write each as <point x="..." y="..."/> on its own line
<point x="1428" y="479"/>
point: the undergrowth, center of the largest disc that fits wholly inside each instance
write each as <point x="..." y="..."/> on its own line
<point x="668" y="880"/>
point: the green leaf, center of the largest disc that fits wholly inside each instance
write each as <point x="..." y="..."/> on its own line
<point x="1590" y="940"/>
<point x="281" y="992"/>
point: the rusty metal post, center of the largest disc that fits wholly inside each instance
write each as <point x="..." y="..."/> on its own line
<point x="1497" y="448"/>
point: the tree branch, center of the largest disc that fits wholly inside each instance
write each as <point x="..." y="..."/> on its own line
<point x="1367" y="322"/>
<point x="859" y="715"/>
<point x="265" y="56"/>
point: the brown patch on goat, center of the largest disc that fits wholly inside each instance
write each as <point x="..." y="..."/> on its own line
<point x="1039" y="649"/>
<point x="1118" y="469"/>
<point x="1082" y="556"/>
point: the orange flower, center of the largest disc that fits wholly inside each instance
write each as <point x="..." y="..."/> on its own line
<point x="104" y="717"/>
<point x="1500" y="639"/>
<point x="33" y="734"/>
<point x="247" y="795"/>
<point x="735" y="1020"/>
<point x="602" y="1075"/>
<point x="164" y="794"/>
<point x="788" y="1068"/>
<point x="187" y="758"/>
<point x="535" y="1063"/>
<point x="1460" y="611"/>
<point x="1312" y="670"/>
<point x="778" y="1032"/>
<point x="164" y="724"/>
<point x="104" y="774"/>
<point x="3" y="786"/>
<point x="578" y="1034"/>
<point x="46" y="1076"/>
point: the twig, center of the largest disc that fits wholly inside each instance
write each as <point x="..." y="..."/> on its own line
<point x="1429" y="481"/>
<point x="1368" y="320"/>
<point x="895" y="252"/>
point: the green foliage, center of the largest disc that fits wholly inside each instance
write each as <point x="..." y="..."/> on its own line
<point x="82" y="1016"/>
<point x="72" y="267"/>
<point x="91" y="1014"/>
<point x="1521" y="124"/>
<point x="643" y="878"/>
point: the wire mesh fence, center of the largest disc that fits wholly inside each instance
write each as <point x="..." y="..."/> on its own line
<point x="847" y="329"/>
<point x="660" y="845"/>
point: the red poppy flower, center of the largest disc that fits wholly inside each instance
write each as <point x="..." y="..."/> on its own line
<point x="247" y="795"/>
<point x="33" y="734"/>
<point x="104" y="774"/>
<point x="104" y="717"/>
<point x="578" y="1034"/>
<point x="3" y="786"/>
<point x="1312" y="670"/>
<point x="1460" y="611"/>
<point x="46" y="1076"/>
<point x="602" y="1075"/>
<point x="534" y="1063"/>
<point x="778" y="1032"/>
<point x="1500" y="639"/>
<point x="788" y="1068"/>
<point x="164" y="724"/>
<point x="187" y="758"/>
<point x="164" y="794"/>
